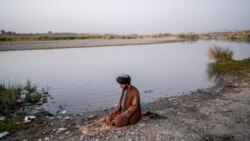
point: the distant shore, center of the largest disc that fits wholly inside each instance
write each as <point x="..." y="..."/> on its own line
<point x="56" y="44"/>
<point x="19" y="41"/>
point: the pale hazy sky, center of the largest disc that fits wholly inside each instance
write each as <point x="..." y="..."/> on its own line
<point x="124" y="16"/>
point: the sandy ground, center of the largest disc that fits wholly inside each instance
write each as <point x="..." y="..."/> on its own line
<point x="213" y="114"/>
<point x="31" y="45"/>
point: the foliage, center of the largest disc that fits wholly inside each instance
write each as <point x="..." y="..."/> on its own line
<point x="220" y="54"/>
<point x="188" y="36"/>
<point x="10" y="94"/>
<point x="12" y="125"/>
<point x="231" y="67"/>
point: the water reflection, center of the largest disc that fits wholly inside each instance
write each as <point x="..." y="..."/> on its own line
<point x="213" y="72"/>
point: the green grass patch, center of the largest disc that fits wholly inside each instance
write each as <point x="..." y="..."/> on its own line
<point x="13" y="125"/>
<point x="231" y="67"/>
<point x="10" y="94"/>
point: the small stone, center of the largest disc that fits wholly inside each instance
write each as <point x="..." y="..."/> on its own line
<point x="67" y="118"/>
<point x="132" y="133"/>
<point x="91" y="116"/>
<point x="25" y="140"/>
<point x="129" y="139"/>
<point x="64" y="112"/>
<point x="142" y="124"/>
<point x="46" y="138"/>
<point x="61" y="138"/>
<point x="81" y="138"/>
<point x="78" y="126"/>
<point x="97" y="140"/>
<point x="107" y="138"/>
<point x="61" y="129"/>
<point x="104" y="109"/>
<point x="39" y="140"/>
<point x="68" y="132"/>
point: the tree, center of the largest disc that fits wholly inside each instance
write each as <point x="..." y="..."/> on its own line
<point x="3" y="32"/>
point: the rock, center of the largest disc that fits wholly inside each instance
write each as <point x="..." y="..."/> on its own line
<point x="91" y="116"/>
<point x="67" y="118"/>
<point x="81" y="138"/>
<point x="39" y="139"/>
<point x="61" y="129"/>
<point x="218" y="90"/>
<point x="118" y="132"/>
<point x="107" y="138"/>
<point x="46" y="138"/>
<point x="68" y="132"/>
<point x="129" y="139"/>
<point x="142" y="124"/>
<point x="132" y="133"/>
<point x="97" y="140"/>
<point x="61" y="138"/>
<point x="104" y="109"/>
<point x="64" y="112"/>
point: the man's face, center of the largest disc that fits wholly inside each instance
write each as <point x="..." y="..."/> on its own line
<point x="123" y="86"/>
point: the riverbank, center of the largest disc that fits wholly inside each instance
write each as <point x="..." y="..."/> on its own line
<point x="220" y="112"/>
<point x="57" y="44"/>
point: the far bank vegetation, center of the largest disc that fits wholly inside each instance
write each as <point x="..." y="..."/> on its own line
<point x="10" y="36"/>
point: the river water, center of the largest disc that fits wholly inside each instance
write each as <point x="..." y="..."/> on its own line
<point x="84" y="78"/>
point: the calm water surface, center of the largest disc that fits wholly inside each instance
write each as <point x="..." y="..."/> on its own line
<point x="84" y="78"/>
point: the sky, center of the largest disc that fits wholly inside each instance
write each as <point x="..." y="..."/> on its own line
<point x="124" y="16"/>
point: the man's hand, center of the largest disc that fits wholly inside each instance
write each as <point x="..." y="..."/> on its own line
<point x="121" y="116"/>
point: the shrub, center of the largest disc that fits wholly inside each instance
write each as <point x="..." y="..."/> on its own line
<point x="10" y="94"/>
<point x="220" y="54"/>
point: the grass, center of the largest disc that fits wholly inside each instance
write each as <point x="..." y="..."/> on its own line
<point x="13" y="125"/>
<point x="45" y="37"/>
<point x="62" y="36"/>
<point x="9" y="95"/>
<point x="220" y="54"/>
<point x="224" y="63"/>
<point x="188" y="36"/>
<point x="231" y="67"/>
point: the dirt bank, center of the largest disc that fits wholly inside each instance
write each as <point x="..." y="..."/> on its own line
<point x="31" y="45"/>
<point x="217" y="113"/>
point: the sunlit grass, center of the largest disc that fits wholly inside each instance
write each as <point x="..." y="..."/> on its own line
<point x="224" y="63"/>
<point x="231" y="67"/>
<point x="220" y="54"/>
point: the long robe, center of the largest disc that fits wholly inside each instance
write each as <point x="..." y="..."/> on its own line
<point x="130" y="109"/>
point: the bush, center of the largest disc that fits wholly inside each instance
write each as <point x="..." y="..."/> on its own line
<point x="220" y="54"/>
<point x="10" y="94"/>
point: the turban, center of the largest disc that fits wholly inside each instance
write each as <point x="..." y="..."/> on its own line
<point x="123" y="79"/>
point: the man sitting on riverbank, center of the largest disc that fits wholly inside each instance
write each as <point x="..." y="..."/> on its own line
<point x="128" y="111"/>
